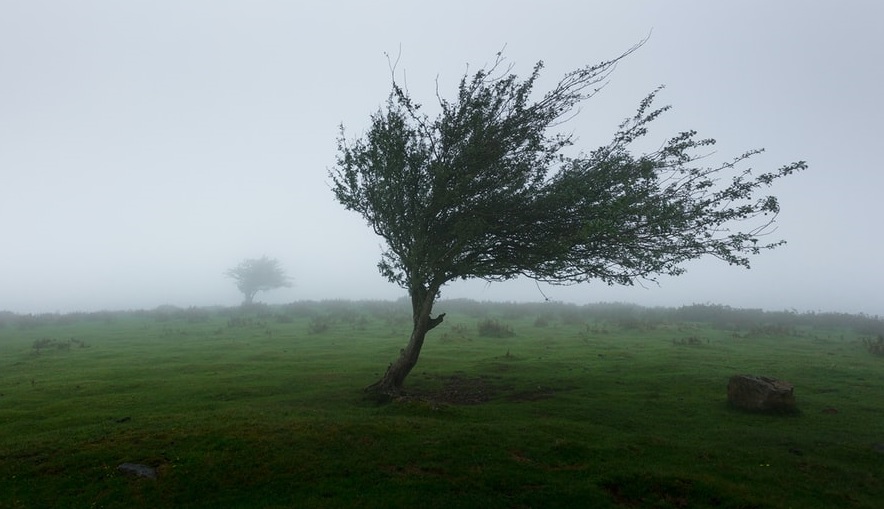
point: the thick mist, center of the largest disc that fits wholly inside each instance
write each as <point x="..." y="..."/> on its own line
<point x="147" y="148"/>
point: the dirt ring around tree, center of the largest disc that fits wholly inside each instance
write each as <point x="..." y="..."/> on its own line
<point x="459" y="389"/>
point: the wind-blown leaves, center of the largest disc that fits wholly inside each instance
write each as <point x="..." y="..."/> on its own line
<point x="484" y="191"/>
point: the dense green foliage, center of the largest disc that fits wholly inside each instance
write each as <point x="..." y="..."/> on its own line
<point x="485" y="190"/>
<point x="582" y="406"/>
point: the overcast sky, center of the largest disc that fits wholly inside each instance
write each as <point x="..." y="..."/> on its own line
<point x="148" y="146"/>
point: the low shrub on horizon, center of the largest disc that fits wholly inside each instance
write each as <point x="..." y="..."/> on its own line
<point x="490" y="328"/>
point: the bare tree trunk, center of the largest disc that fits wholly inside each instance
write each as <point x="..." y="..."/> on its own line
<point x="392" y="382"/>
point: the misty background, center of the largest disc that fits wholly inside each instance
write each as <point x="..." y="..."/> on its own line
<point x="148" y="146"/>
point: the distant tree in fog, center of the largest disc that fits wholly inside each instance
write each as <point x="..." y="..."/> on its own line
<point x="254" y="275"/>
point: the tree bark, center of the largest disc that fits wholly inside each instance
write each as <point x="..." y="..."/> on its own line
<point x="391" y="384"/>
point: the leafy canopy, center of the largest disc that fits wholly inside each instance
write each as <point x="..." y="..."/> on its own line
<point x="253" y="275"/>
<point x="485" y="190"/>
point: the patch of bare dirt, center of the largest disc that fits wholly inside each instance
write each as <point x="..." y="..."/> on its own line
<point x="464" y="390"/>
<point x="459" y="389"/>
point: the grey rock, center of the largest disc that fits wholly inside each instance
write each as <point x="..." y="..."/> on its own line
<point x="138" y="470"/>
<point x="761" y="394"/>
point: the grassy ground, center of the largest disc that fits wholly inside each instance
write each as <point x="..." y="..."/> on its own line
<point x="264" y="409"/>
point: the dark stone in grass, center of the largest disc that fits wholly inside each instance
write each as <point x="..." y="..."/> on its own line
<point x="138" y="470"/>
<point x="761" y="394"/>
<point x="878" y="448"/>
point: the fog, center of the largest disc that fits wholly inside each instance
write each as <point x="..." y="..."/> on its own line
<point x="147" y="147"/>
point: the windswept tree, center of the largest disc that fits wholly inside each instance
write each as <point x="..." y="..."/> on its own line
<point x="254" y="275"/>
<point x="487" y="189"/>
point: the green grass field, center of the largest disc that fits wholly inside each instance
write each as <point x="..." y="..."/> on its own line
<point x="600" y="406"/>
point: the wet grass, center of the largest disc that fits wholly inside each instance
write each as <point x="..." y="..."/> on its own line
<point x="264" y="409"/>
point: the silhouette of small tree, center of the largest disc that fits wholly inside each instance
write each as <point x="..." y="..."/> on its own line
<point x="258" y="274"/>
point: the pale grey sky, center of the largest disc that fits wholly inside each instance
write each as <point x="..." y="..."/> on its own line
<point x="147" y="146"/>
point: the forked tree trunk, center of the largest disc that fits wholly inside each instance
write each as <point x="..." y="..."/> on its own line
<point x="392" y="382"/>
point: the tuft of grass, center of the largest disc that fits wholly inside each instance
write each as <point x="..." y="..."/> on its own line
<point x="319" y="324"/>
<point x="874" y="346"/>
<point x="490" y="328"/>
<point x="688" y="341"/>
